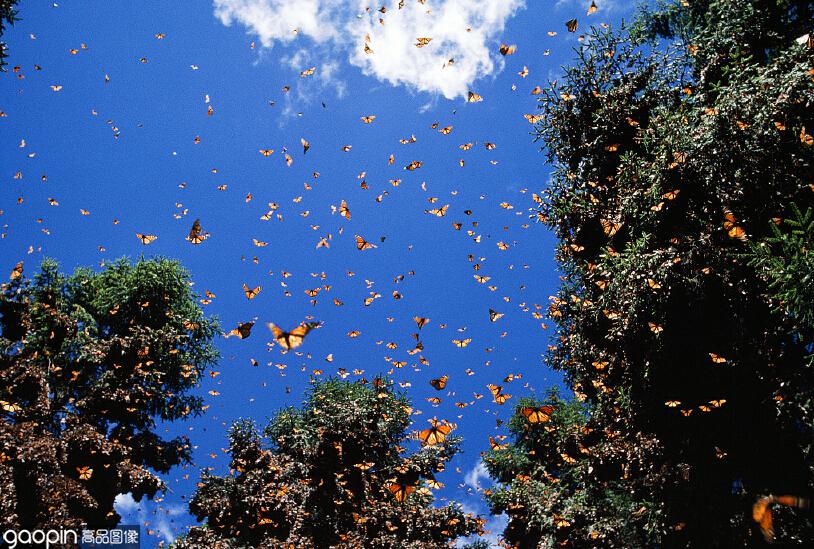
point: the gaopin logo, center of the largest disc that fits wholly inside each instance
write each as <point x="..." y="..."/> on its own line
<point x="39" y="538"/>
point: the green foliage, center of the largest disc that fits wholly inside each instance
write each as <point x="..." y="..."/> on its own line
<point x="675" y="142"/>
<point x="786" y="261"/>
<point x="327" y="475"/>
<point x="8" y="15"/>
<point x="88" y="364"/>
<point x="546" y="483"/>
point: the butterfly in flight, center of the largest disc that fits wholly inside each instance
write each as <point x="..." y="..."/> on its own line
<point x="196" y="234"/>
<point x="362" y="244"/>
<point x="243" y="330"/>
<point x="439" y="383"/>
<point x="294" y="338"/>
<point x="146" y="238"/>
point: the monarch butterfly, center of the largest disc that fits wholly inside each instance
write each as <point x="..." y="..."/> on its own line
<point x="400" y="491"/>
<point x="421" y="42"/>
<point x="560" y="522"/>
<point x="294" y="338"/>
<point x="266" y="152"/>
<point x="368" y="119"/>
<point x="414" y="165"/>
<point x="343" y="210"/>
<point x="146" y="238"/>
<point x="362" y="244"/>
<point x="762" y="511"/>
<point x="438" y="212"/>
<point x="251" y="293"/>
<point x="305" y="145"/>
<point x="462" y="342"/>
<point x="436" y="434"/>
<point x="243" y="330"/>
<point x="495" y="445"/>
<point x="717" y="359"/>
<point x="572" y="25"/>
<point x="482" y="279"/>
<point x="196" y="234"/>
<point x="17" y="271"/>
<point x="446" y="130"/>
<point x="609" y="227"/>
<point x="84" y="472"/>
<point x="537" y="415"/>
<point x="420" y="321"/>
<point x="672" y="403"/>
<point x="308" y="72"/>
<point x="655" y="328"/>
<point x="439" y="383"/>
<point x="9" y="407"/>
<point x="497" y="393"/>
<point x="506" y="49"/>
<point x="434" y="484"/>
<point x="473" y="97"/>
<point x="494" y="316"/>
<point x="532" y="118"/>
<point x="592" y="8"/>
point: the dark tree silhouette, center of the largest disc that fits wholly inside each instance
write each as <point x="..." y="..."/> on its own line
<point x="679" y="143"/>
<point x="335" y="473"/>
<point x="88" y="364"/>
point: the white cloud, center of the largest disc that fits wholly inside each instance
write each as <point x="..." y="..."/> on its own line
<point x="474" y="476"/>
<point x="494" y="527"/>
<point x="134" y="512"/>
<point x="465" y="31"/>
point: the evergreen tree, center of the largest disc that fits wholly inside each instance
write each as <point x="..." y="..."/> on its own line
<point x="88" y="364"/>
<point x="8" y="15"/>
<point x="678" y="143"/>
<point x="335" y="473"/>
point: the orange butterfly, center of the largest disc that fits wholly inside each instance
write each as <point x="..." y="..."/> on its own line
<point x="146" y="238"/>
<point x="251" y="293"/>
<point x="362" y="244"/>
<point x="400" y="491"/>
<point x="435" y="434"/>
<point x="294" y="338"/>
<point x="196" y="234"/>
<point x="243" y="330"/>
<point x="537" y="415"/>
<point x="17" y="272"/>
<point x="440" y="383"/>
<point x="84" y="472"/>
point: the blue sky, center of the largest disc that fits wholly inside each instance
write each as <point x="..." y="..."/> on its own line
<point x="118" y="140"/>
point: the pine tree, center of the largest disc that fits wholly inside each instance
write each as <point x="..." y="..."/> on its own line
<point x="88" y="364"/>
<point x="335" y="473"/>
